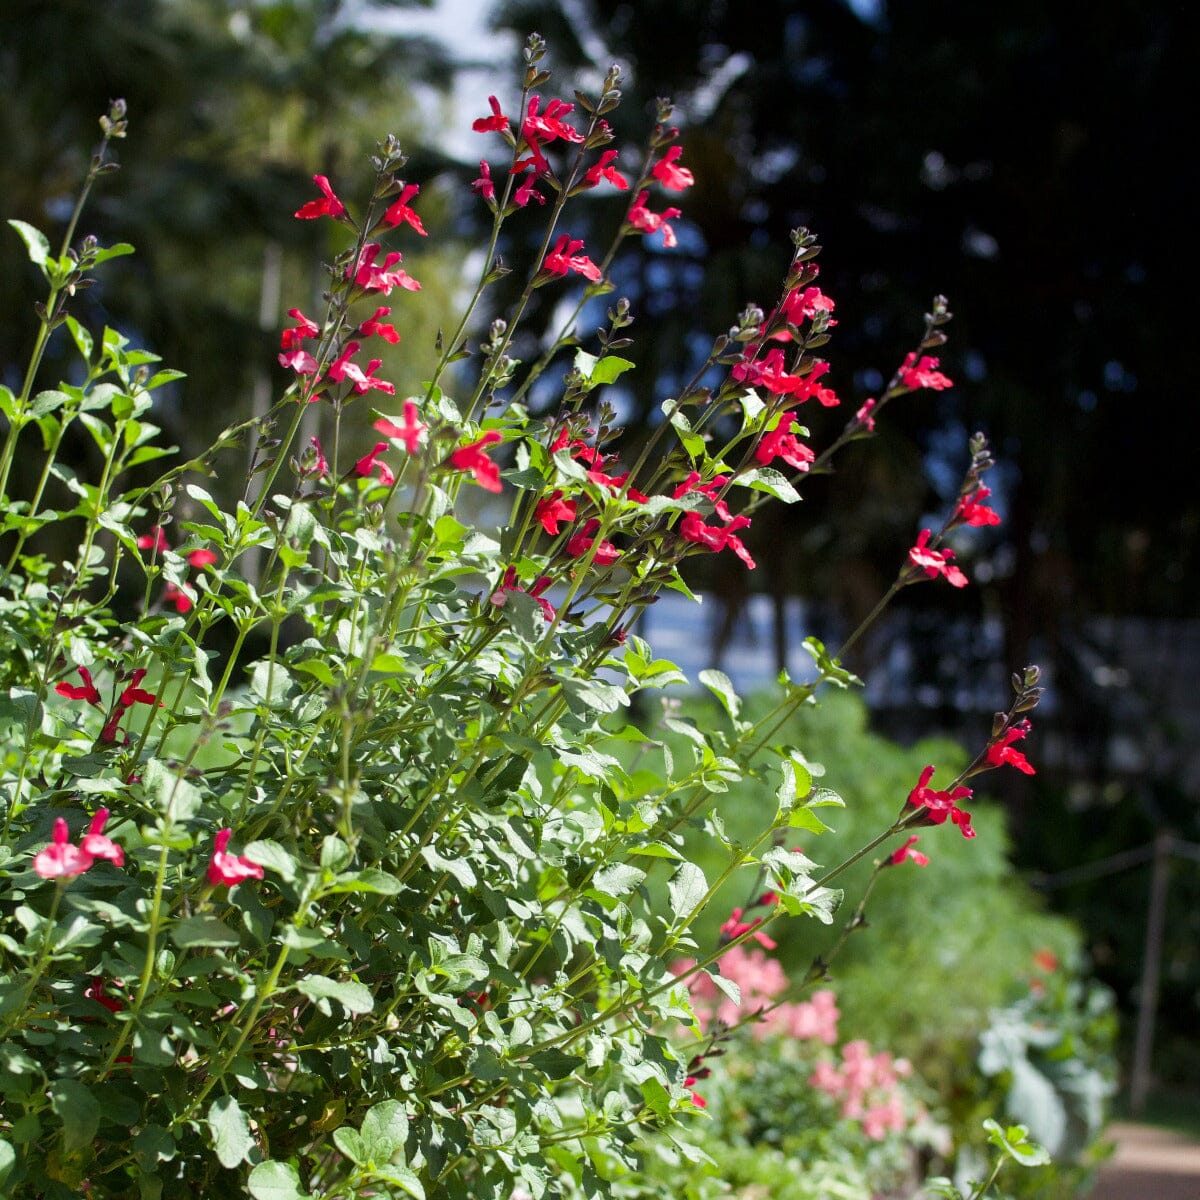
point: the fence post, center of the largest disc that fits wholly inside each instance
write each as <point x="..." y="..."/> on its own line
<point x="1156" y="919"/>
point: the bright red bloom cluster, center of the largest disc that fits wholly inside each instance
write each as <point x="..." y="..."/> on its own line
<point x="907" y="852"/>
<point x="693" y="529"/>
<point x="553" y="509"/>
<point x="133" y="694"/>
<point x="972" y="511"/>
<point x="770" y="372"/>
<point x="936" y="562"/>
<point x="409" y="432"/>
<point x="363" y="381"/>
<point x="673" y="177"/>
<point x="735" y="927"/>
<point x="923" y="373"/>
<point x="581" y="542"/>
<point x="563" y="258"/>
<point x="328" y="206"/>
<point x="782" y="443"/>
<point x="1001" y="753"/>
<point x="61" y="860"/>
<point x="645" y="221"/>
<point x="369" y="462"/>
<point x="380" y="278"/>
<point x="510" y="583"/>
<point x="940" y="805"/>
<point x="472" y="458"/>
<point x="230" y="869"/>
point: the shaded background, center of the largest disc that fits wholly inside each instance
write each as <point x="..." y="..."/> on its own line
<point x="1031" y="161"/>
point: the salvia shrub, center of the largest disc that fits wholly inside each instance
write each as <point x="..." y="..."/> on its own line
<point x="367" y="903"/>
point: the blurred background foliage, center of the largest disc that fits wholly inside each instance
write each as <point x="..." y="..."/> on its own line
<point x="1025" y="159"/>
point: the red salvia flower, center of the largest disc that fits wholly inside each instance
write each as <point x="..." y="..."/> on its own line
<point x="85" y="691"/>
<point x="472" y="458"/>
<point x="328" y="206"/>
<point x="936" y="562"/>
<point x="940" y="805"/>
<point x="671" y="176"/>
<point x="374" y="326"/>
<point x="230" y="869"/>
<point x="409" y="432"/>
<point x="400" y="211"/>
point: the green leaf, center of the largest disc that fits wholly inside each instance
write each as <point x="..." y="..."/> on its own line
<point x="353" y="997"/>
<point x="372" y="880"/>
<point x="1014" y="1141"/>
<point x="609" y="369"/>
<point x="554" y="1064"/>
<point x="79" y="1111"/>
<point x="203" y="931"/>
<point x="116" y="250"/>
<point x="8" y="1159"/>
<point x="272" y="856"/>
<point x="401" y="1177"/>
<point x="273" y="1180"/>
<point x="384" y="1129"/>
<point x="35" y="242"/>
<point x="230" y="1129"/>
<point x="765" y="479"/>
<point x="686" y="888"/>
<point x="348" y="1141"/>
<point x="617" y="879"/>
<point x="83" y="339"/>
<point x="722" y="687"/>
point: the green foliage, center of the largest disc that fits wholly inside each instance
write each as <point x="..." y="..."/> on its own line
<point x="387" y="899"/>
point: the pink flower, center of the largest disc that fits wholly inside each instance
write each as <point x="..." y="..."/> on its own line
<point x="472" y="458"/>
<point x="863" y="416"/>
<point x="936" y="562"/>
<point x="581" y="542"/>
<point x="972" y="511"/>
<point x="815" y="1020"/>
<point x="367" y="275"/>
<point x="605" y="170"/>
<point x="672" y="177"/>
<point x="940" y="805"/>
<point x="373" y="325"/>
<point x="770" y="372"/>
<point x="1001" y="753"/>
<point x="553" y="509"/>
<point x="95" y="991"/>
<point x="85" y="691"/>
<point x="782" y="443"/>
<point x="313" y="461"/>
<point x="96" y="845"/>
<point x="693" y="529"/>
<point x="923" y="373"/>
<point x="202" y="558"/>
<point x="61" y="860"/>
<point x="906" y="852"/>
<point x="645" y="221"/>
<point x="496" y="123"/>
<point x="329" y="206"/>
<point x="155" y="540"/>
<point x="484" y="185"/>
<point x="409" y="432"/>
<point x="367" y="464"/>
<point x="563" y="258"/>
<point x="230" y="869"/>
<point x="399" y="210"/>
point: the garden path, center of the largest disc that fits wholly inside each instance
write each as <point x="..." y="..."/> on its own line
<point x="1150" y="1164"/>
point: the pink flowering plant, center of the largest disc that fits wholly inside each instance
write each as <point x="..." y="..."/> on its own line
<point x="321" y="874"/>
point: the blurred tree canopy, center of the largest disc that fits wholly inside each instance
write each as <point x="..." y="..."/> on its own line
<point x="232" y="108"/>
